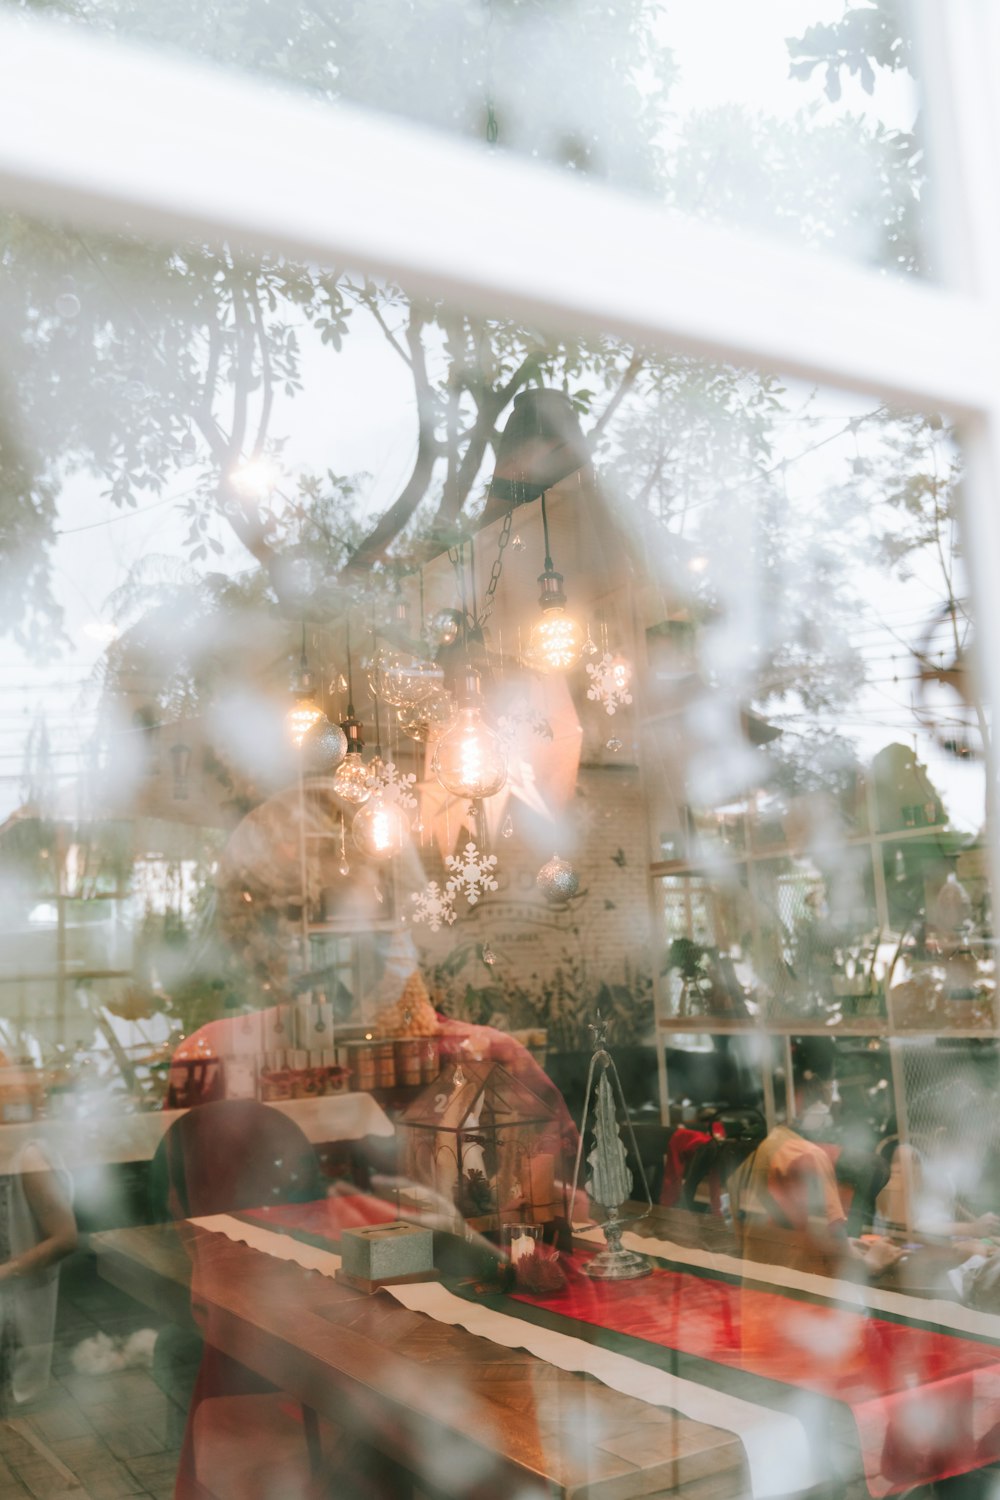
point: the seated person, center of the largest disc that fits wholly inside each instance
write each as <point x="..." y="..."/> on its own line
<point x="928" y="1185"/>
<point x="37" y="1232"/>
<point x="786" y="1200"/>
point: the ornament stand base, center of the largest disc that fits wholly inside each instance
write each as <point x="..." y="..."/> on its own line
<point x="617" y="1265"/>
<point x="613" y="1263"/>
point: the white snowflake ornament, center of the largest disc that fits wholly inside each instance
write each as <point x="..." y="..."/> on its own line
<point x="610" y="682"/>
<point x="471" y="873"/>
<point x="395" y="785"/>
<point x="433" y="906"/>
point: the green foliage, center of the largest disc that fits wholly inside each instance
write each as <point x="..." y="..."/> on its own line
<point x="564" y="1000"/>
<point x="875" y="35"/>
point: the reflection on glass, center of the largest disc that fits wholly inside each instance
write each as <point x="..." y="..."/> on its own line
<point x="764" y="776"/>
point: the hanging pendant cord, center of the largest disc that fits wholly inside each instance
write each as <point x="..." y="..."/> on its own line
<point x="303" y="664"/>
<point x="472" y="575"/>
<point x="549" y="567"/>
<point x="378" y="726"/>
<point x="462" y="595"/>
<point x="350" y="674"/>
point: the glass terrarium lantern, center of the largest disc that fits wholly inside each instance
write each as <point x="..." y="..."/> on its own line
<point x="479" y="1140"/>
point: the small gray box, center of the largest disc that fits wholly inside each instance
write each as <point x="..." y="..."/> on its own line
<point x="381" y="1252"/>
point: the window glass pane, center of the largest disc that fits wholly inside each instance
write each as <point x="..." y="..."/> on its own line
<point x="721" y="786"/>
<point x="794" y="121"/>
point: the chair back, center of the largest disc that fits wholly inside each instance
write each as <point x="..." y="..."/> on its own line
<point x="231" y="1155"/>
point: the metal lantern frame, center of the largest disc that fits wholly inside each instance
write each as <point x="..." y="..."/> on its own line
<point x="471" y="1138"/>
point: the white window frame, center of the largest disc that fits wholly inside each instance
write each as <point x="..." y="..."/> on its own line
<point x="115" y="137"/>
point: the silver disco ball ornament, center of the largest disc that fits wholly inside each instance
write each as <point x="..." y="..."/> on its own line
<point x="323" y="748"/>
<point x="557" y="880"/>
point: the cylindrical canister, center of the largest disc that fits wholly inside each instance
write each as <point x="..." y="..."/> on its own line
<point x="408" y="1061"/>
<point x="385" y="1065"/>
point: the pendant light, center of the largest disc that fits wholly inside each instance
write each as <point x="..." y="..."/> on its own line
<point x="470" y="758"/>
<point x="350" y="780"/>
<point x="305" y="711"/>
<point x="556" y="637"/>
<point x="382" y="827"/>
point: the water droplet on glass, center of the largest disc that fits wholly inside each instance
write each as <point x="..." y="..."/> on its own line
<point x="507" y="831"/>
<point x="344" y="867"/>
<point x="614" y="744"/>
<point x="67" y="304"/>
<point x="516" y="542"/>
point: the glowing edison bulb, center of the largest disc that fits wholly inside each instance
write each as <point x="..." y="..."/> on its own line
<point x="470" y="759"/>
<point x="351" y="780"/>
<point x="381" y="829"/>
<point x="556" y="640"/>
<point x="300" y="718"/>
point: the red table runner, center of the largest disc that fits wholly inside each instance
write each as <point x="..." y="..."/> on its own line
<point x="926" y="1403"/>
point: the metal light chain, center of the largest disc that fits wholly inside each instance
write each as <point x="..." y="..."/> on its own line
<point x="497" y="568"/>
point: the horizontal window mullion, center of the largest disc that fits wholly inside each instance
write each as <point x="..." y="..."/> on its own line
<point x="123" y="138"/>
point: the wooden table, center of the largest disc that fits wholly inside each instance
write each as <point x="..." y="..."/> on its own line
<point x="434" y="1398"/>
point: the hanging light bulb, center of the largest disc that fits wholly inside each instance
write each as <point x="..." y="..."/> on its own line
<point x="470" y="759"/>
<point x="305" y="711"/>
<point x="351" y="778"/>
<point x="381" y="829"/>
<point x="556" y="637"/>
<point x="429" y="718"/>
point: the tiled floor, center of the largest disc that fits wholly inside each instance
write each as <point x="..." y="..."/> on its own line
<point x="101" y="1436"/>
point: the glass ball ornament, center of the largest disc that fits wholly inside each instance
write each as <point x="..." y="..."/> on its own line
<point x="400" y="678"/>
<point x="556" y="641"/>
<point x="444" y="627"/>
<point x="429" y="718"/>
<point x="470" y="758"/>
<point x="381" y="829"/>
<point x="557" y="880"/>
<point x="323" y="746"/>
<point x="351" y="780"/>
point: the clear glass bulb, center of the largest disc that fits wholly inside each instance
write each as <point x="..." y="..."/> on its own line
<point x="381" y="829"/>
<point x="470" y="759"/>
<point x="300" y="718"/>
<point x="399" y="678"/>
<point x="556" y="641"/>
<point x="350" y="780"/>
<point x="430" y="717"/>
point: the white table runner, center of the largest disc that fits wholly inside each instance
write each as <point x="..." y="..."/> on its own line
<point x="777" y="1447"/>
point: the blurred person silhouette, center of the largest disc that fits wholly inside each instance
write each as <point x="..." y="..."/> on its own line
<point x="785" y="1196"/>
<point x="37" y="1232"/>
<point x="940" y="1181"/>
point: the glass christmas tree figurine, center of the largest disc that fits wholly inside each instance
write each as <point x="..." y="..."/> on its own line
<point x="610" y="1181"/>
